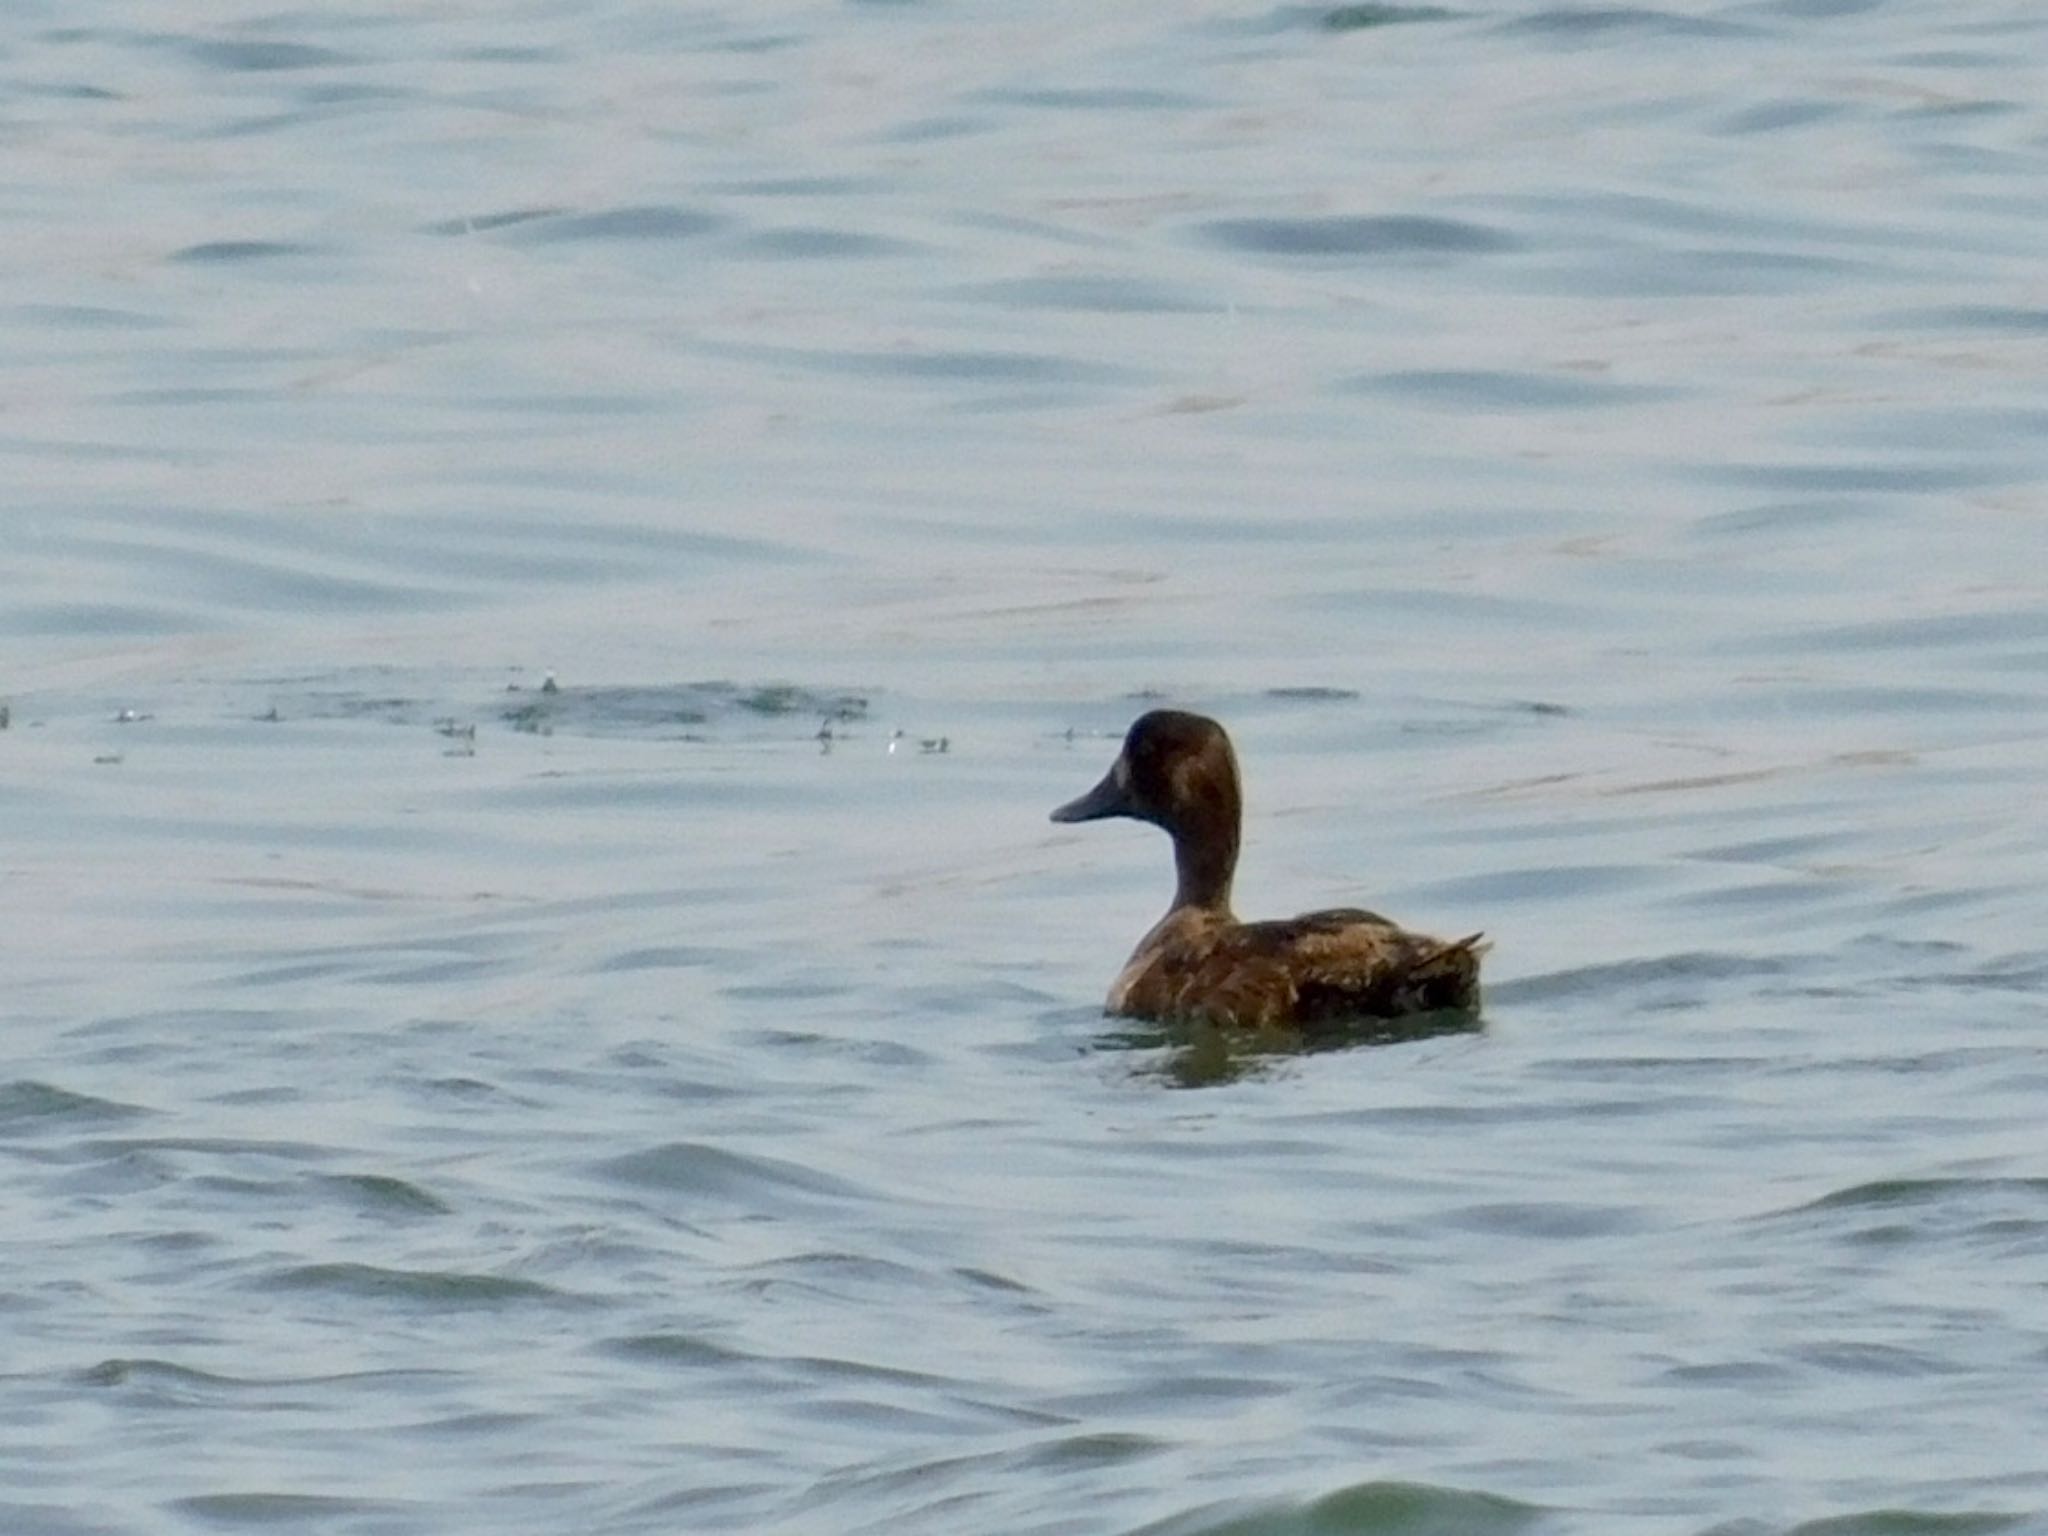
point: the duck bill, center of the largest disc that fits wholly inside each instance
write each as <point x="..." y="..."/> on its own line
<point x="1105" y="799"/>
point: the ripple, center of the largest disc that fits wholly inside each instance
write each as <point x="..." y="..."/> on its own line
<point x="218" y="252"/>
<point x="209" y="1146"/>
<point x="1826" y="10"/>
<point x="382" y="1195"/>
<point x="1371" y="237"/>
<point x="1547" y="1219"/>
<point x="88" y="317"/>
<point x="1579" y="24"/>
<point x="1367" y="1508"/>
<point x="1503" y="390"/>
<point x="1840" y="476"/>
<point x="950" y="365"/>
<point x="441" y="1290"/>
<point x="1361" y="18"/>
<point x="1845" y="1357"/>
<point x="1995" y="319"/>
<point x="807" y="187"/>
<point x="838" y="1368"/>
<point x="1991" y="628"/>
<point x="119" y="1372"/>
<point x="1776" y="116"/>
<point x="1103" y="1448"/>
<point x="1108" y="98"/>
<point x="295" y="1510"/>
<point x="668" y="957"/>
<point x="696" y="1168"/>
<point x="27" y="619"/>
<point x="26" y="1106"/>
<point x="485" y="223"/>
<point x="1108" y="295"/>
<point x="1745" y="1376"/>
<point x="1655" y="973"/>
<point x="1539" y="882"/>
<point x="1626" y="427"/>
<point x="649" y="222"/>
<point x="53" y="1520"/>
<point x="1911" y="1522"/>
<point x="818" y="244"/>
<point x="677" y="1349"/>
<point x="1890" y="1194"/>
<point x="257" y="57"/>
<point x="1313" y="693"/>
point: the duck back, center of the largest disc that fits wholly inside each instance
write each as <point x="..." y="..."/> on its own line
<point x="1299" y="972"/>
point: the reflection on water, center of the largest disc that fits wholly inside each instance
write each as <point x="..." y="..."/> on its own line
<point x="1204" y="1055"/>
<point x="472" y="1070"/>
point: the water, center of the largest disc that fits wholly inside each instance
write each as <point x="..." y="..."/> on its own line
<point x="1589" y="456"/>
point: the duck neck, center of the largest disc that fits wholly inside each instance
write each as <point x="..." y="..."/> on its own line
<point x="1205" y="858"/>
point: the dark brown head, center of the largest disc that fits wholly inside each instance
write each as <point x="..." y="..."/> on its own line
<point x="1176" y="771"/>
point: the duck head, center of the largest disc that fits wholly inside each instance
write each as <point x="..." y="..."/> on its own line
<point x="1176" y="771"/>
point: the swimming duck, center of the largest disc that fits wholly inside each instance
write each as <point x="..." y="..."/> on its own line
<point x="1199" y="964"/>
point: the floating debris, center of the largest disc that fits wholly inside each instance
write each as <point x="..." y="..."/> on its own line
<point x="539" y="703"/>
<point x="462" y="733"/>
<point x="107" y="759"/>
<point x="789" y="699"/>
<point x="4" y="717"/>
<point x="660" y="710"/>
<point x="358" y="706"/>
<point x="531" y="720"/>
<point x="132" y="717"/>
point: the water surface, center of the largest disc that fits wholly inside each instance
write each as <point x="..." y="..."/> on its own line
<point x="557" y="559"/>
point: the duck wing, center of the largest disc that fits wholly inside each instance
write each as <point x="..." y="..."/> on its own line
<point x="1320" y="967"/>
<point x="1347" y="964"/>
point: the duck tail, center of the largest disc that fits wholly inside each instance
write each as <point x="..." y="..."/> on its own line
<point x="1448" y="975"/>
<point x="1473" y="944"/>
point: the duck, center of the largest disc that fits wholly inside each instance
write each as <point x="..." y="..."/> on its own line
<point x="1199" y="965"/>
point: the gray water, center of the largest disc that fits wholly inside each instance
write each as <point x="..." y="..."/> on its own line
<point x="1592" y="458"/>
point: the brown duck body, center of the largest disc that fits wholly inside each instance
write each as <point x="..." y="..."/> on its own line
<point x="1319" y="968"/>
<point x="1199" y="964"/>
